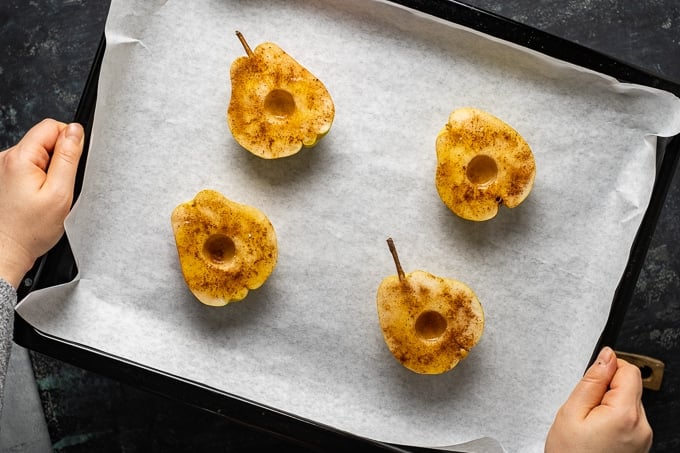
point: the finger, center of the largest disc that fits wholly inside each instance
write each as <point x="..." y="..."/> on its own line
<point x="40" y="140"/>
<point x="626" y="386"/>
<point x="61" y="174"/>
<point x="590" y="390"/>
<point x="647" y="427"/>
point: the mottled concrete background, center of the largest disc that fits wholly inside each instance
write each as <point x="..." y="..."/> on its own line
<point x="46" y="49"/>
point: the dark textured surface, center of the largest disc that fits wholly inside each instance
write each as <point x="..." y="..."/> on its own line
<point x="643" y="34"/>
<point x="89" y="413"/>
<point x="46" y="48"/>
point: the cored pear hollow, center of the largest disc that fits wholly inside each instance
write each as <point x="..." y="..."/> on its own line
<point x="225" y="248"/>
<point x="482" y="164"/>
<point x="277" y="106"/>
<point x="429" y="323"/>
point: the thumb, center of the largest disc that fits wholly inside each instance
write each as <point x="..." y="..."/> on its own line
<point x="61" y="173"/>
<point x="590" y="390"/>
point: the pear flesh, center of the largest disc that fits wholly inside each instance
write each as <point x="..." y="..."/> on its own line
<point x="277" y="106"/>
<point x="225" y="248"/>
<point x="429" y="323"/>
<point x="482" y="163"/>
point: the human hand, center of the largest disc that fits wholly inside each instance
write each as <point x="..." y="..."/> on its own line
<point x="604" y="412"/>
<point x="37" y="177"/>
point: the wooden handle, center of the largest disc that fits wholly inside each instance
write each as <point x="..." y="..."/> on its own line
<point x="651" y="369"/>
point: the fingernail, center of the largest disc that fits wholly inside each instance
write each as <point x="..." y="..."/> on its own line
<point x="74" y="131"/>
<point x="605" y="356"/>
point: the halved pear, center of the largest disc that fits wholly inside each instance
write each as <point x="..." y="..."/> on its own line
<point x="225" y="248"/>
<point x="429" y="323"/>
<point x="277" y="106"/>
<point x="482" y="163"/>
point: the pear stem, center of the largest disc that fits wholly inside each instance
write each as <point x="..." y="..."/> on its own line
<point x="393" y="251"/>
<point x="245" y="45"/>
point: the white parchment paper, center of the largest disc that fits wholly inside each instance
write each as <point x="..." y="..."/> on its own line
<point x="308" y="342"/>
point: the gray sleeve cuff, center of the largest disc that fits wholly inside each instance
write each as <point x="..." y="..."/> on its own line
<point x="8" y="299"/>
<point x="7" y="293"/>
